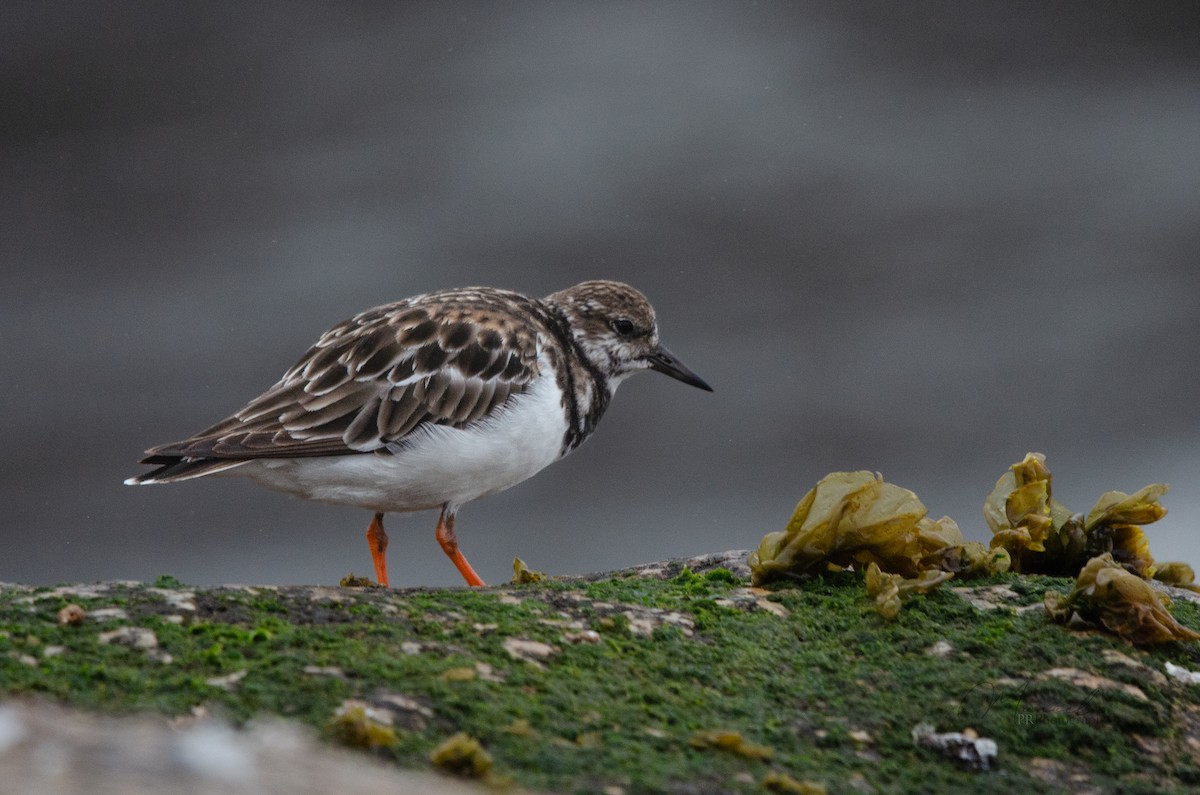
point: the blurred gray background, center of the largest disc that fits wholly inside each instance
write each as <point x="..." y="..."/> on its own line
<point x="921" y="238"/>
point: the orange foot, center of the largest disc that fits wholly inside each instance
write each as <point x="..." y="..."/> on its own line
<point x="378" y="540"/>
<point x="449" y="542"/>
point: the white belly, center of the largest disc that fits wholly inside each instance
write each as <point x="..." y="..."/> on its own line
<point x="438" y="465"/>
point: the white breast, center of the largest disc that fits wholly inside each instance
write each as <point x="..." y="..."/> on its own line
<point x="438" y="464"/>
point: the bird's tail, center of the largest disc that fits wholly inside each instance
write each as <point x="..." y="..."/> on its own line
<point x="173" y="469"/>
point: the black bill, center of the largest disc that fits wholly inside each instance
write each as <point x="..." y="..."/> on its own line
<point x="665" y="362"/>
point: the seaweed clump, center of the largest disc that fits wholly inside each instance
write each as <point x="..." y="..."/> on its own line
<point x="358" y="725"/>
<point x="1042" y="536"/>
<point x="890" y="589"/>
<point x="731" y="742"/>
<point x="858" y="520"/>
<point x="462" y="755"/>
<point x="523" y="575"/>
<point x="1179" y="574"/>
<point x="1109" y="595"/>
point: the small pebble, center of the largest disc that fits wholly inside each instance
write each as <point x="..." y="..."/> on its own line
<point x="72" y="615"/>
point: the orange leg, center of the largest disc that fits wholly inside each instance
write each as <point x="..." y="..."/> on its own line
<point x="449" y="542"/>
<point x="378" y="540"/>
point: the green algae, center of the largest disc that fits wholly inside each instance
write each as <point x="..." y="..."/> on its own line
<point x="355" y="725"/>
<point x="462" y="755"/>
<point x="666" y="661"/>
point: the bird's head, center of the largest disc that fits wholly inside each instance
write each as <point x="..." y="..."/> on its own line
<point x="615" y="327"/>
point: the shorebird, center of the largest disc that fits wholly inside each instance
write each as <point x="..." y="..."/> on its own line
<point x="432" y="402"/>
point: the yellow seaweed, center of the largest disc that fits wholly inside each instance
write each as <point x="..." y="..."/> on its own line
<point x="890" y="589"/>
<point x="1107" y="594"/>
<point x="731" y="742"/>
<point x="856" y="519"/>
<point x="357" y="725"/>
<point x="1043" y="537"/>
<point x="852" y="518"/>
<point x="523" y="575"/>
<point x="462" y="755"/>
<point x="1117" y="507"/>
<point x="1177" y="573"/>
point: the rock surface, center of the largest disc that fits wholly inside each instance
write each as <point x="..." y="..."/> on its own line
<point x="564" y="682"/>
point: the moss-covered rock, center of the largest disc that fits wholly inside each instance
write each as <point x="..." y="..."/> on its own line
<point x="603" y="684"/>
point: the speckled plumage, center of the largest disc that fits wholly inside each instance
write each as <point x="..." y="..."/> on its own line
<point x="434" y="400"/>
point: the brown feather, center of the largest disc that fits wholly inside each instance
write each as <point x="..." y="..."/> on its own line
<point x="371" y="381"/>
<point x="363" y="433"/>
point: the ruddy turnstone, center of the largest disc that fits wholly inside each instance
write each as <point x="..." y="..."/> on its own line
<point x="434" y="401"/>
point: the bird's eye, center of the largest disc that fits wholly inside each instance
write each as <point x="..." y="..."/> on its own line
<point x="623" y="327"/>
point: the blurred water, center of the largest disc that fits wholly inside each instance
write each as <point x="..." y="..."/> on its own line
<point x="920" y="238"/>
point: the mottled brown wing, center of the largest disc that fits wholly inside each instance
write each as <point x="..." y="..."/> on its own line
<point x="369" y="382"/>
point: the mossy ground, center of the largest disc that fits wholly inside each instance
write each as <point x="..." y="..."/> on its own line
<point x="832" y="688"/>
